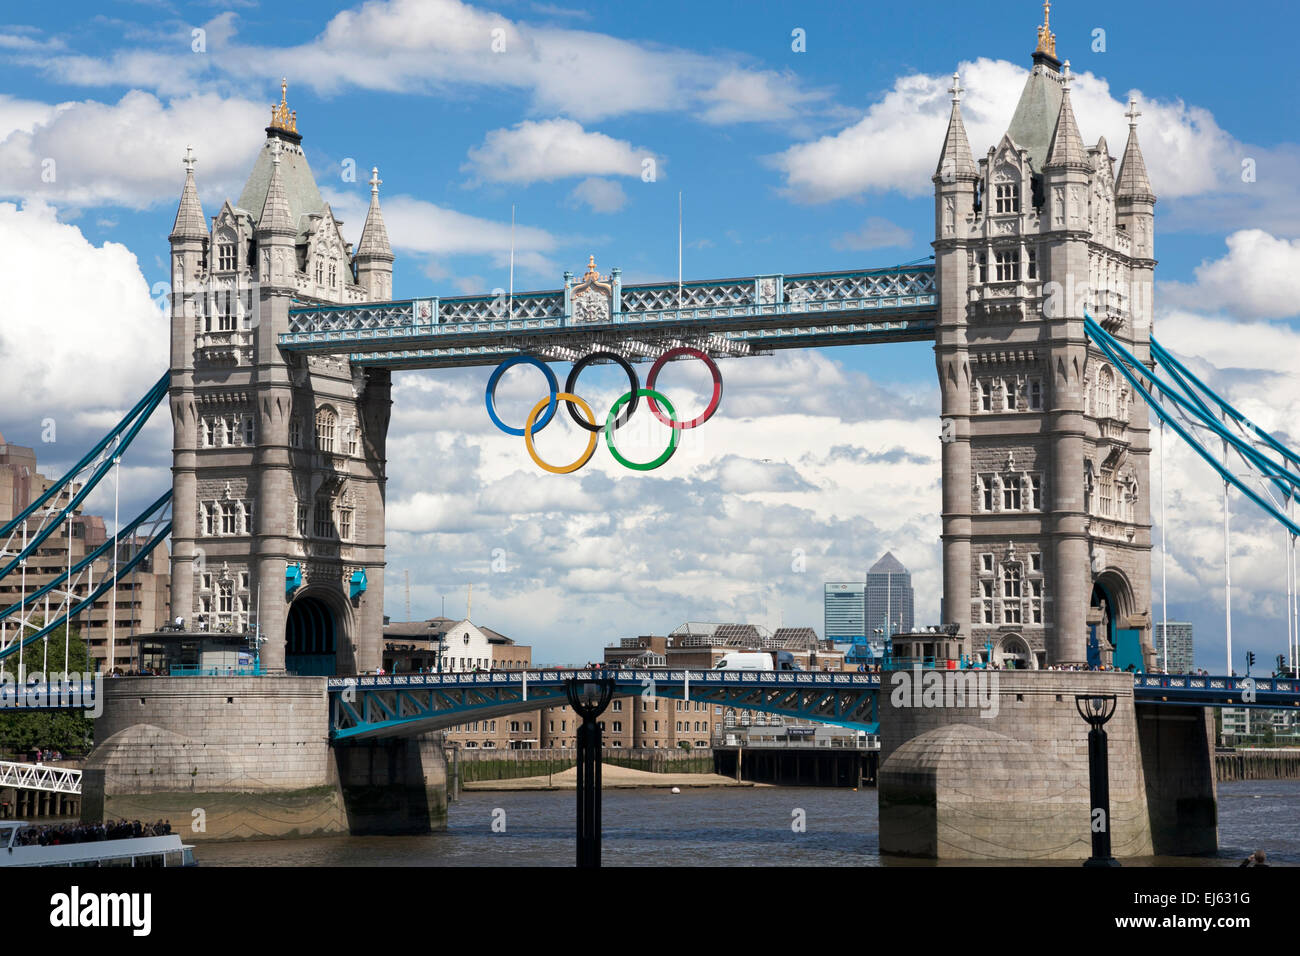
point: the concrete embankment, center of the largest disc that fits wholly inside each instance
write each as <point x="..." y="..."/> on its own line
<point x="1257" y="763"/>
<point x="611" y="778"/>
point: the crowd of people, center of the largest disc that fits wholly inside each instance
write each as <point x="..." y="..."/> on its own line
<point x="66" y="833"/>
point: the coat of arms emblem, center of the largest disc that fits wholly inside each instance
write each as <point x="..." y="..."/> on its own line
<point x="592" y="297"/>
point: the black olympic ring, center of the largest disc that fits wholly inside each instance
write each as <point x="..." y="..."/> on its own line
<point x="632" y="379"/>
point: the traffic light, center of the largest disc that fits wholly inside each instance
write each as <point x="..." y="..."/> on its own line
<point x="1281" y="665"/>
<point x="1250" y="660"/>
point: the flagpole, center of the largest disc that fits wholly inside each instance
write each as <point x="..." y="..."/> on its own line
<point x="679" y="250"/>
<point x="512" y="261"/>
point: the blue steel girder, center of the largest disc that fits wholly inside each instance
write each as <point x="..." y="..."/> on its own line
<point x="363" y="707"/>
<point x="1274" y="693"/>
<point x="755" y="313"/>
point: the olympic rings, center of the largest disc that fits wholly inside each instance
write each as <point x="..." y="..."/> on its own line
<point x="613" y="420"/>
<point x="591" y="443"/>
<point x="717" y="386"/>
<point x="675" y="436"/>
<point x="633" y="381"/>
<point x="491" y="396"/>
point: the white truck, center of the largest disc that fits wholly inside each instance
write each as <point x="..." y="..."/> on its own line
<point x="756" y="661"/>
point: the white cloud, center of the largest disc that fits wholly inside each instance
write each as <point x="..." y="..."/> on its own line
<point x="546" y="150"/>
<point x="427" y="46"/>
<point x="895" y="145"/>
<point x="80" y="337"/>
<point x="600" y="195"/>
<point x="876" y="233"/>
<point x="1258" y="278"/>
<point x="128" y="153"/>
<point x="415" y="225"/>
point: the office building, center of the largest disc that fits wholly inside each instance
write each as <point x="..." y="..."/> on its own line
<point x="889" y="597"/>
<point x="845" y="612"/>
<point x="1180" y="647"/>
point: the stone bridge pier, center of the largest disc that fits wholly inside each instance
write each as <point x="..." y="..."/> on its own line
<point x="250" y="758"/>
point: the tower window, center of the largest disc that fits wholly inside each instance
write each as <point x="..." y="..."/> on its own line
<point x="302" y="519"/>
<point x="1006" y="264"/>
<point x="1008" y="198"/>
<point x="1032" y="269"/>
<point x="1036" y="492"/>
<point x="986" y="601"/>
<point x="345" y="524"/>
<point x="1011" y="594"/>
<point x="986" y="396"/>
<point x="325" y="426"/>
<point x="1035" y="394"/>
<point x="1010" y="493"/>
<point x="229" y="521"/>
<point x="1009" y="403"/>
<point x="226" y="257"/>
<point x="986" y="492"/>
<point x="324" y="519"/>
<point x="982" y="264"/>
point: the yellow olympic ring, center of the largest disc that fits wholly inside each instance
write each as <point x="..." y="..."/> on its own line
<point x="591" y="443"/>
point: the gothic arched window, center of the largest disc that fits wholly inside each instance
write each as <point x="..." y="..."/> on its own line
<point x="326" y="426"/>
<point x="1106" y="394"/>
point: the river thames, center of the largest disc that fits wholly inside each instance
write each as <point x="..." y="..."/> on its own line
<point x="715" y="827"/>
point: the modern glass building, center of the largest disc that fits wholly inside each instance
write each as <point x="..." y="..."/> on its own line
<point x="889" y="597"/>
<point x="844" y="604"/>
<point x="1180" y="647"/>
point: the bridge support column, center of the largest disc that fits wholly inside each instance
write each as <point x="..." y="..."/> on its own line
<point x="393" y="786"/>
<point x="1178" y="762"/>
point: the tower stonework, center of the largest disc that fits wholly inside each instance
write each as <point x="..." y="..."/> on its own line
<point x="278" y="461"/>
<point x="1046" y="522"/>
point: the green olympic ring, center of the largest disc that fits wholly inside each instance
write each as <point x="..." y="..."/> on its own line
<point x="674" y="433"/>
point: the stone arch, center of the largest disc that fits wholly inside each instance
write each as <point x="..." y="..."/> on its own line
<point x="317" y="633"/>
<point x="1111" y="603"/>
<point x="1013" y="650"/>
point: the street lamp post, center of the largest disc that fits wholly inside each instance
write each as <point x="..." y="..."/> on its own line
<point x="1096" y="709"/>
<point x="589" y="698"/>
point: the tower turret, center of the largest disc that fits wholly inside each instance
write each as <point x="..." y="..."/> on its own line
<point x="374" y="256"/>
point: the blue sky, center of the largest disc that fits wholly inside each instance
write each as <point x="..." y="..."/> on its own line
<point x="787" y="162"/>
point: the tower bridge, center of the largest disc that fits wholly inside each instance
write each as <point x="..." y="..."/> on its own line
<point x="1038" y="305"/>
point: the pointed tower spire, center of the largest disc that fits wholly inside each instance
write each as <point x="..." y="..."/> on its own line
<point x="190" y="221"/>
<point x="1132" y="182"/>
<point x="374" y="235"/>
<point x="275" y="216"/>
<point x="1067" y="145"/>
<point x="956" y="162"/>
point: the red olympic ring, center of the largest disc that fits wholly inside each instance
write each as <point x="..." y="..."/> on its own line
<point x="717" y="386"/>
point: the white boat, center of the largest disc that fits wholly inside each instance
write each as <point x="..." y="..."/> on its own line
<point x="133" y="851"/>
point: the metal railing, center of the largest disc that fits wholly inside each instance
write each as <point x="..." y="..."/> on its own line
<point x="36" y="776"/>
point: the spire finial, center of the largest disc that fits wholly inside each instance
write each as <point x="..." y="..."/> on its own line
<point x="1046" y="38"/>
<point x="281" y="116"/>
<point x="1132" y="113"/>
<point x="189" y="159"/>
<point x="375" y="181"/>
<point x="592" y="274"/>
<point x="956" y="89"/>
<point x="1066" y="76"/>
<point x="275" y="151"/>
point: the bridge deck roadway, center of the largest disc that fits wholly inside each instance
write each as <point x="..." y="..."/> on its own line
<point x="725" y="317"/>
<point x="401" y="705"/>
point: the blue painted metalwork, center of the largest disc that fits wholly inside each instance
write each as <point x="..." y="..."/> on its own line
<point x="292" y="578"/>
<point x="159" y="536"/>
<point x="1124" y="361"/>
<point x="376" y="706"/>
<point x="357" y="584"/>
<point x="123" y="434"/>
<point x="1276" y="693"/>
<point x="60" y="582"/>
<point x="769" y="311"/>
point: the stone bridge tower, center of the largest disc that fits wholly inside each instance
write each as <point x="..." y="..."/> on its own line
<point x="278" y="461"/>
<point x="1046" y="522"/>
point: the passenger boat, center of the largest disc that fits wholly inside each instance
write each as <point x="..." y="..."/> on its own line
<point x="132" y="851"/>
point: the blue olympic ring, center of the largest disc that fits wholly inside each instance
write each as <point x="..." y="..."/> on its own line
<point x="491" y="395"/>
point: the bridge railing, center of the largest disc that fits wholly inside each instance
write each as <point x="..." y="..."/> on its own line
<point x="622" y="676"/>
<point x="36" y="776"/>
<point x="713" y="301"/>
